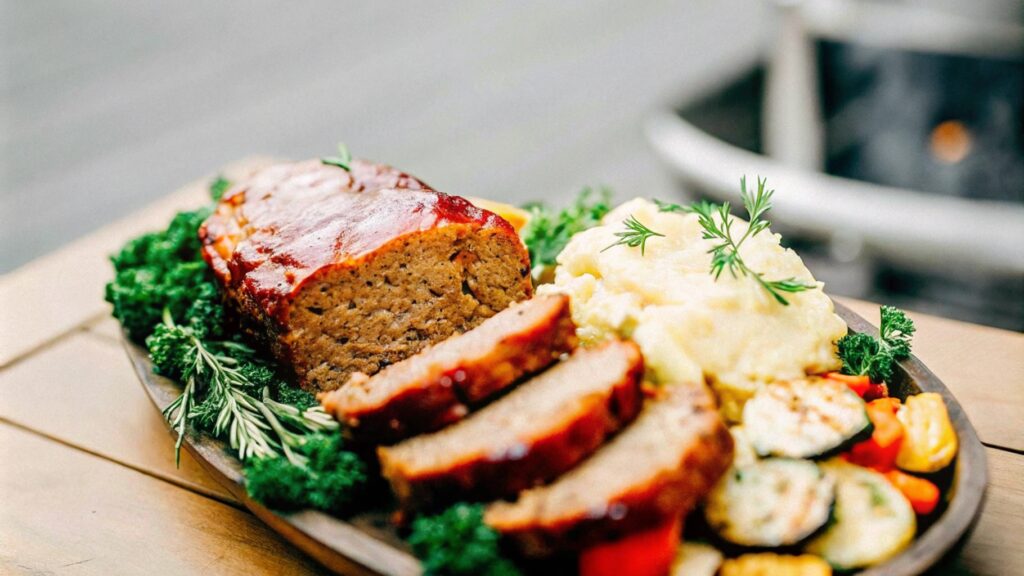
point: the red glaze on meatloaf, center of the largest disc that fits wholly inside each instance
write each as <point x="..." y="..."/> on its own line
<point x="438" y="386"/>
<point x="351" y="270"/>
<point x="656" y="469"/>
<point x="531" y="436"/>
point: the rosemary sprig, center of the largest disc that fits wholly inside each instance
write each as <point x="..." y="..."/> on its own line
<point x="635" y="234"/>
<point x="342" y="160"/>
<point x="220" y="396"/>
<point x="717" y="222"/>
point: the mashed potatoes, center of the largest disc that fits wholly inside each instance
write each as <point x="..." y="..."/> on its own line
<point x="730" y="333"/>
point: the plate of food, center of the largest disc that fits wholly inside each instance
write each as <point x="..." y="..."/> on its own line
<point x="403" y="381"/>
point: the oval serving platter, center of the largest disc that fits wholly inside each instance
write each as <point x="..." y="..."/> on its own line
<point x="367" y="543"/>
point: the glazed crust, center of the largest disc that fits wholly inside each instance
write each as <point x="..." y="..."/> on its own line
<point x="540" y="523"/>
<point x="298" y="227"/>
<point x="551" y="447"/>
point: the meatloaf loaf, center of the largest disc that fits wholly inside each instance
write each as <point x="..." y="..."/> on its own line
<point x="541" y="429"/>
<point x="350" y="270"/>
<point x="438" y="386"/>
<point x="656" y="469"/>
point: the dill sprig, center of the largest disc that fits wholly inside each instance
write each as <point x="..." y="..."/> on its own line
<point x="717" y="223"/>
<point x="636" y="234"/>
<point x="343" y="160"/>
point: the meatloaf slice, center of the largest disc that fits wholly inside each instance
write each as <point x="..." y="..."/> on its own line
<point x="348" y="270"/>
<point x="657" y="468"/>
<point x="541" y="429"/>
<point x="437" y="386"/>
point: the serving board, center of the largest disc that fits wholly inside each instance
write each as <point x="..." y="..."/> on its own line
<point x="368" y="543"/>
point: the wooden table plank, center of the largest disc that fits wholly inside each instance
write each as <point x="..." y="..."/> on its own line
<point x="995" y="546"/>
<point x="59" y="292"/>
<point x="82" y="391"/>
<point x="65" y="511"/>
<point x="983" y="367"/>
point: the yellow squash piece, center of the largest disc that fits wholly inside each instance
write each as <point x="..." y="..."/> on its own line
<point x="929" y="441"/>
<point x="768" y="564"/>
<point x="517" y="217"/>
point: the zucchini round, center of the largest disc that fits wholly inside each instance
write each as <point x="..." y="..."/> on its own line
<point x="768" y="503"/>
<point x="811" y="418"/>
<point x="873" y="520"/>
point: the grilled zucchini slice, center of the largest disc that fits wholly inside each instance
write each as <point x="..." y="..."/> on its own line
<point x="873" y="520"/>
<point x="768" y="503"/>
<point x="810" y="418"/>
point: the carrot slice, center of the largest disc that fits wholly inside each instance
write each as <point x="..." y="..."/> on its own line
<point x="923" y="495"/>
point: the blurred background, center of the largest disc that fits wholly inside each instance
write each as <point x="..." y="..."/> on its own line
<point x="893" y="131"/>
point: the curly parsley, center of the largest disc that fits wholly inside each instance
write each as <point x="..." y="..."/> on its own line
<point x="863" y="354"/>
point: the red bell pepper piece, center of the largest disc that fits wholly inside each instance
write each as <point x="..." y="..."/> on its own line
<point x="646" y="553"/>
<point x="879" y="452"/>
<point x="859" y="384"/>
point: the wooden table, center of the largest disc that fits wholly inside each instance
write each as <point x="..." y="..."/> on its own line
<point x="87" y="477"/>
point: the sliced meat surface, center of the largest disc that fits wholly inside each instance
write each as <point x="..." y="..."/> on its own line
<point x="657" y="468"/>
<point x="438" y="386"/>
<point x="537" y="432"/>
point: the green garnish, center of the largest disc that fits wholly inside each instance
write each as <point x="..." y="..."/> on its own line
<point x="726" y="254"/>
<point x="165" y="270"/>
<point x="863" y="354"/>
<point x="636" y="234"/>
<point x="164" y="294"/>
<point x="457" y="542"/>
<point x="218" y="188"/>
<point x="332" y="479"/>
<point x="547" y="233"/>
<point x="342" y="160"/>
<point x="227" y="392"/>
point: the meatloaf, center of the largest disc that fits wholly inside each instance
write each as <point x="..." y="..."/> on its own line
<point x="439" y="385"/>
<point x="656" y="469"/>
<point x="349" y="270"/>
<point x="541" y="429"/>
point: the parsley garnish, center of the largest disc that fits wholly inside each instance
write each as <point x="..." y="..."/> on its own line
<point x="164" y="293"/>
<point x="547" y="232"/>
<point x="343" y="160"/>
<point x="218" y="188"/>
<point x="717" y="223"/>
<point x="457" y="542"/>
<point x="863" y="354"/>
<point x="635" y="234"/>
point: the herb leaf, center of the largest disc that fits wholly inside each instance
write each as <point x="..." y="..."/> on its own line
<point x="862" y="354"/>
<point x="332" y="479"/>
<point x="227" y="393"/>
<point x="343" y="160"/>
<point x="218" y="188"/>
<point x="635" y="234"/>
<point x="547" y="232"/>
<point x="457" y="542"/>
<point x="717" y="221"/>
